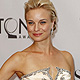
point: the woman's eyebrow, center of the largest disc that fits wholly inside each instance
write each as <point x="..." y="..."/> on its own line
<point x="40" y="20"/>
<point x="43" y="19"/>
<point x="29" y="20"/>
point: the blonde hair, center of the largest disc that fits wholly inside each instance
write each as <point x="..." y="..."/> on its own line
<point x="46" y="4"/>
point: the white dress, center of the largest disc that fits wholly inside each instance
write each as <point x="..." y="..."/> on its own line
<point x="43" y="74"/>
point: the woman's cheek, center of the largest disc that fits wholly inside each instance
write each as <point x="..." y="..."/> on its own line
<point x="29" y="28"/>
<point x="45" y="28"/>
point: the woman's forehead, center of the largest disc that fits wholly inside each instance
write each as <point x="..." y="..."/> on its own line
<point x="38" y="13"/>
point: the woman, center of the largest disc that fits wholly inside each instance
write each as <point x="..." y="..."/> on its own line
<point x="40" y="61"/>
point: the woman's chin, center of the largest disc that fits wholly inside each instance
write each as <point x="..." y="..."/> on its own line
<point x="37" y="40"/>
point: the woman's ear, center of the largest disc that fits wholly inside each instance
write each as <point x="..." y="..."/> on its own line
<point x="52" y="24"/>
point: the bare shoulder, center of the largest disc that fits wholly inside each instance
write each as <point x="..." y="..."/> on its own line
<point x="13" y="64"/>
<point x="68" y="57"/>
<point x="12" y="59"/>
<point x="66" y="54"/>
<point x="10" y="66"/>
<point x="18" y="56"/>
<point x="15" y="59"/>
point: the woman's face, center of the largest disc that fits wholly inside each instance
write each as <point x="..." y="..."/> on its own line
<point x="39" y="24"/>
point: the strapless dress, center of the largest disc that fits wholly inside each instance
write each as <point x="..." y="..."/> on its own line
<point x="43" y="74"/>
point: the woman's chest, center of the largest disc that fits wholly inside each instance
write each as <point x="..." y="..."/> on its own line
<point x="46" y="70"/>
<point x="52" y="68"/>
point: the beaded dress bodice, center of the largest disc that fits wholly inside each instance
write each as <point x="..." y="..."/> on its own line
<point x="43" y="74"/>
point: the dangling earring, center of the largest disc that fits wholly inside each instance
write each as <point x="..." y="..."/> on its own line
<point x="52" y="32"/>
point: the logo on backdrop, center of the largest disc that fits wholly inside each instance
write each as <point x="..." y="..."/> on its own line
<point x="77" y="74"/>
<point x="11" y="25"/>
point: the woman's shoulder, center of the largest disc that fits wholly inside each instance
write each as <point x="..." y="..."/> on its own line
<point x="66" y="54"/>
<point x="14" y="58"/>
<point x="20" y="55"/>
<point x="68" y="57"/>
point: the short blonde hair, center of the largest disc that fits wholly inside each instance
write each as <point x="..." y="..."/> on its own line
<point x="45" y="4"/>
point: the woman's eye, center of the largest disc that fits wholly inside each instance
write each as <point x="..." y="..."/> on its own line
<point x="30" y="22"/>
<point x="43" y="22"/>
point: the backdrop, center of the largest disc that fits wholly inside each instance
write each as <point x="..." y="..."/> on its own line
<point x="13" y="33"/>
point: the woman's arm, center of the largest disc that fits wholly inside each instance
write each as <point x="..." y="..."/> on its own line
<point x="70" y="60"/>
<point x="9" y="67"/>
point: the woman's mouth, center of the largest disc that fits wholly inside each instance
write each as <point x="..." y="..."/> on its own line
<point x="37" y="34"/>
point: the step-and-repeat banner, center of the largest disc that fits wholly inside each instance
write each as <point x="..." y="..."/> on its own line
<point x="13" y="32"/>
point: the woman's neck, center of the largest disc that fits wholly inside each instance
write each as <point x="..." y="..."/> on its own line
<point x="44" y="46"/>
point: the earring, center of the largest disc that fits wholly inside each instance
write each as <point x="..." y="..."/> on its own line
<point x="52" y="32"/>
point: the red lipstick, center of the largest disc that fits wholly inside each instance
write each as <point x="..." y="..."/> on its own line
<point x="37" y="34"/>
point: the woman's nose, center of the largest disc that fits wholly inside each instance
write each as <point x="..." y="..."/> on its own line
<point x="36" y="27"/>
